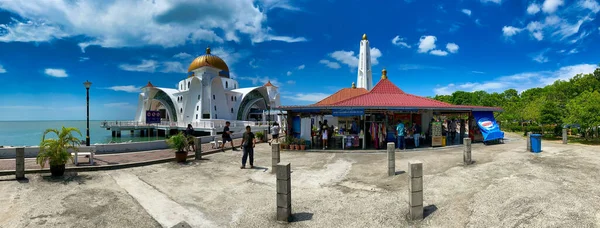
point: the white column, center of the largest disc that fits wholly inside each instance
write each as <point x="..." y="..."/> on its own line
<point x="364" y="78"/>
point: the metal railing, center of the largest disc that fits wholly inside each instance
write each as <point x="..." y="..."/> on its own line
<point x="206" y="124"/>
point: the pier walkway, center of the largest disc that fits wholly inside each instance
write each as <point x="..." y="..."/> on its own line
<point x="115" y="159"/>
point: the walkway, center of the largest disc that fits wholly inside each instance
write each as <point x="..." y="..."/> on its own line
<point x="114" y="159"/>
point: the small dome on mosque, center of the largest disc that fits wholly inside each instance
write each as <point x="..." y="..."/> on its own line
<point x="209" y="59"/>
<point x="364" y="37"/>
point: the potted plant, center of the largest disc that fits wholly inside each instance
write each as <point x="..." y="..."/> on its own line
<point x="303" y="145"/>
<point x="286" y="142"/>
<point x="179" y="143"/>
<point x="259" y="136"/>
<point x="55" y="151"/>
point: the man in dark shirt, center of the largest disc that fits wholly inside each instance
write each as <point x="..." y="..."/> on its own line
<point x="247" y="145"/>
<point x="227" y="137"/>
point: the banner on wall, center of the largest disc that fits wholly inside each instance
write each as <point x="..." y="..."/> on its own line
<point x="347" y="112"/>
<point x="488" y="126"/>
<point x="152" y="117"/>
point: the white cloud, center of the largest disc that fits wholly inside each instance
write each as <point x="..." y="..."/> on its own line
<point x="301" y="67"/>
<point x="351" y="59"/>
<point x="509" y="31"/>
<point x="590" y="4"/>
<point x="520" y="81"/>
<point x="183" y="55"/>
<point x="291" y="82"/>
<point x="550" y="6"/>
<point x="418" y="67"/>
<point x="310" y="97"/>
<point x="253" y="63"/>
<point x="452" y="47"/>
<point x="2" y="70"/>
<point x="166" y="23"/>
<point x="289" y="73"/>
<point x="59" y="73"/>
<point x="477" y="72"/>
<point x="259" y="81"/>
<point x="493" y="1"/>
<point x="145" y="66"/>
<point x="466" y="11"/>
<point x="399" y="41"/>
<point x="533" y="8"/>
<point x="540" y="58"/>
<point x="83" y="59"/>
<point x="573" y="51"/>
<point x="127" y="88"/>
<point x="438" y="52"/>
<point x="330" y="64"/>
<point x="426" y="43"/>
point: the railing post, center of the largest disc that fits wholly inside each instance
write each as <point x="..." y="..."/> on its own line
<point x="198" y="152"/>
<point x="284" y="193"/>
<point x="564" y="136"/>
<point x="467" y="151"/>
<point x="275" y="156"/>
<point x="391" y="151"/>
<point x="20" y="163"/>
<point x="415" y="190"/>
<point x="528" y="141"/>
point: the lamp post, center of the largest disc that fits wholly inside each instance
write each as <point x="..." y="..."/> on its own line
<point x="269" y="118"/>
<point x="87" y="85"/>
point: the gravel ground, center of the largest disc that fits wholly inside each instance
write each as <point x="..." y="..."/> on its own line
<point x="506" y="187"/>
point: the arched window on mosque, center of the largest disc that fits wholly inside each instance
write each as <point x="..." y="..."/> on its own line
<point x="214" y="97"/>
<point x="188" y="85"/>
<point x="181" y="110"/>
<point x="196" y="116"/>
<point x="198" y="96"/>
<point x="231" y="98"/>
<point x="215" y="108"/>
<point x="231" y="110"/>
<point x="226" y="85"/>
<point x="235" y="98"/>
<point x="197" y="108"/>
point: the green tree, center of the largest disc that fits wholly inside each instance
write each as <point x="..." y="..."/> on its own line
<point x="550" y="113"/>
<point x="584" y="109"/>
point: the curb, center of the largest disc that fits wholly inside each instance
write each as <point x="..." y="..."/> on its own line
<point x="105" y="167"/>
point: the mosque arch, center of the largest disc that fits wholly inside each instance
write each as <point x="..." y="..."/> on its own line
<point x="166" y="101"/>
<point x="255" y="100"/>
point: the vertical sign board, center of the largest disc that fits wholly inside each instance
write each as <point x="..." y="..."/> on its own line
<point x="152" y="117"/>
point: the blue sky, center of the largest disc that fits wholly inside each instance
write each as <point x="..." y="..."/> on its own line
<point x="306" y="47"/>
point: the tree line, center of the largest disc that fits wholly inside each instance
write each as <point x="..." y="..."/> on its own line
<point x="573" y="101"/>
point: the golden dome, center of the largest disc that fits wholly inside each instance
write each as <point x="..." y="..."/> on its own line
<point x="365" y="36"/>
<point x="209" y="60"/>
<point x="353" y="85"/>
<point x="384" y="74"/>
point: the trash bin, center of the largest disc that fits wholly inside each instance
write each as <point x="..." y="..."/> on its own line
<point x="536" y="143"/>
<point x="443" y="140"/>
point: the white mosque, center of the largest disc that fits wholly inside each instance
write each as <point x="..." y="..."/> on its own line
<point x="207" y="94"/>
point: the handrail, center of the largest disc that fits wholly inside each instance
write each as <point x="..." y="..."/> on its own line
<point x="207" y="124"/>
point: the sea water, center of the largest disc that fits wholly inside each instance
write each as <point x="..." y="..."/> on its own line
<point x="29" y="133"/>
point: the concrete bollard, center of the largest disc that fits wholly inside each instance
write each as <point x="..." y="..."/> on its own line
<point x="198" y="152"/>
<point x="528" y="141"/>
<point x="391" y="154"/>
<point x="467" y="151"/>
<point x="284" y="193"/>
<point x="275" y="157"/>
<point x="415" y="190"/>
<point x="564" y="135"/>
<point x="20" y="163"/>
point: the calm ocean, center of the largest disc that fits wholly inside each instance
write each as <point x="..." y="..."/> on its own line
<point x="29" y="133"/>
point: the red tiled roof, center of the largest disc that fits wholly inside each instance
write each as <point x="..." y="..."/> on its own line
<point x="341" y="95"/>
<point x="386" y="94"/>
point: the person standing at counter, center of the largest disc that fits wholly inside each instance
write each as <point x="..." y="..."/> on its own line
<point x="417" y="134"/>
<point x="324" y="133"/>
<point x="400" y="135"/>
<point x="355" y="129"/>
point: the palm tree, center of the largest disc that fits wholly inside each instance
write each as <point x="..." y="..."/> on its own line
<point x="55" y="150"/>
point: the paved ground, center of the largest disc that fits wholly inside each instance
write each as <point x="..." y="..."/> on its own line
<point x="113" y="159"/>
<point x="506" y="187"/>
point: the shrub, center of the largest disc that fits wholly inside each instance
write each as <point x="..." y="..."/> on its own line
<point x="259" y="135"/>
<point x="178" y="142"/>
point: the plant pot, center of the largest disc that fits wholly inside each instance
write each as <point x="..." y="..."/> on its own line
<point x="302" y="147"/>
<point x="283" y="147"/>
<point x="181" y="156"/>
<point x="57" y="170"/>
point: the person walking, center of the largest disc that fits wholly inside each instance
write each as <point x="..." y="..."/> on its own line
<point x="400" y="135"/>
<point x="247" y="145"/>
<point x="227" y="137"/>
<point x="325" y="134"/>
<point x="417" y="134"/>
<point x="189" y="132"/>
<point x="275" y="133"/>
